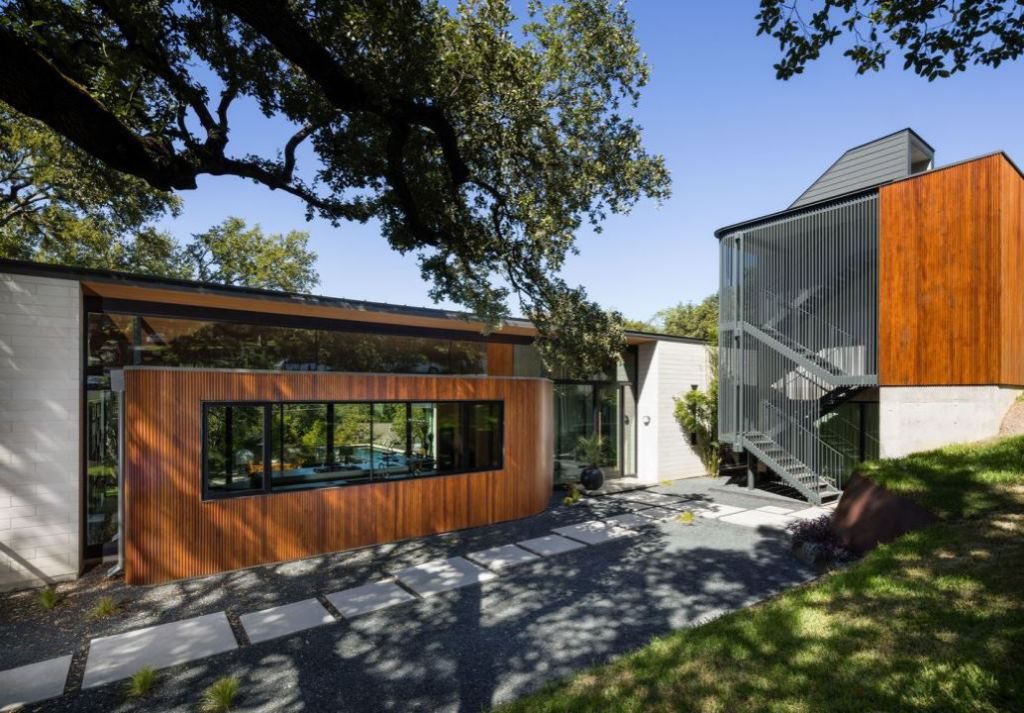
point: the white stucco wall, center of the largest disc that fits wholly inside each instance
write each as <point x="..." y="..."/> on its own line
<point x="666" y="370"/>
<point x="40" y="392"/>
<point x="919" y="418"/>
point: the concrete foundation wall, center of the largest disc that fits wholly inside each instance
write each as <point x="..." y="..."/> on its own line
<point x="667" y="370"/>
<point x="920" y="418"/>
<point x="40" y="396"/>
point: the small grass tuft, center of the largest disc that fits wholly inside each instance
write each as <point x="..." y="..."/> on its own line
<point x="141" y="682"/>
<point x="48" y="598"/>
<point x="105" y="607"/>
<point x="686" y="517"/>
<point x="220" y="696"/>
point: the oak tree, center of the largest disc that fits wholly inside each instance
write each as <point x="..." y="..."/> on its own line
<point x="482" y="142"/>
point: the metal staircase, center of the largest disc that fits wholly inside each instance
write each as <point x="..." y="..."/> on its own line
<point x="798" y="339"/>
<point x="812" y="384"/>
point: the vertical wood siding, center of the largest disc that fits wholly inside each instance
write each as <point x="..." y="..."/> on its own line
<point x="950" y="277"/>
<point x="172" y="533"/>
<point x="500" y="359"/>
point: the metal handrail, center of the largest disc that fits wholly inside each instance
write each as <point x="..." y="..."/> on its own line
<point x="843" y="350"/>
<point x="803" y="443"/>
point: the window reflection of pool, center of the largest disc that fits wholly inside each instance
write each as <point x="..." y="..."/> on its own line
<point x="354" y="463"/>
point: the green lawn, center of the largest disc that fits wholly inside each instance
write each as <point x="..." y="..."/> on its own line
<point x="932" y="622"/>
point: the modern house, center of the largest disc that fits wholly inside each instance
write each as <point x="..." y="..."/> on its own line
<point x="184" y="428"/>
<point x="881" y="313"/>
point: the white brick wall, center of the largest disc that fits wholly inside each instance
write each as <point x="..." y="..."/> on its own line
<point x="39" y="429"/>
<point x="667" y="370"/>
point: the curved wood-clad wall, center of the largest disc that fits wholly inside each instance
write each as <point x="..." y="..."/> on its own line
<point x="172" y="533"/>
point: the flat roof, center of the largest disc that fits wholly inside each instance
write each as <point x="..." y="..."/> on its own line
<point x="856" y="193"/>
<point x="114" y="284"/>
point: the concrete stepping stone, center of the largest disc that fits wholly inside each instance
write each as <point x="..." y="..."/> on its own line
<point x="811" y="513"/>
<point x="757" y="518"/>
<point x="649" y="498"/>
<point x="777" y="510"/>
<point x="595" y="532"/>
<point x="368" y="598"/>
<point x="112" y="658"/>
<point x="34" y="682"/>
<point x="283" y="620"/>
<point x="628" y="521"/>
<point x="658" y="513"/>
<point x="443" y="575"/>
<point x="550" y="545"/>
<point x="713" y="510"/>
<point x="502" y="557"/>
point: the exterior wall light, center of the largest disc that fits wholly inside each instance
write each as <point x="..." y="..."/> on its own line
<point x="647" y="420"/>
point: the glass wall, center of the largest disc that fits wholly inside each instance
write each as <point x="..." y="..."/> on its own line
<point x="267" y="447"/>
<point x="101" y="471"/>
<point x="605" y="404"/>
<point x="117" y="340"/>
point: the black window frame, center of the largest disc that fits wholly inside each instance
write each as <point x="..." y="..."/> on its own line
<point x="272" y="407"/>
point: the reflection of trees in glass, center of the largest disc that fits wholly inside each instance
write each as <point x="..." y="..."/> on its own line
<point x="304" y="428"/>
<point x="110" y="340"/>
<point x="351" y="429"/>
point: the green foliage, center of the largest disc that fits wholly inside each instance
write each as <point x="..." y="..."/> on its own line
<point x="59" y="204"/>
<point x="697" y="412"/>
<point x="686" y="518"/>
<point x="233" y="254"/>
<point x="591" y="449"/>
<point x="481" y="141"/>
<point x="48" y="598"/>
<point x="574" y="496"/>
<point x="696" y="320"/>
<point x="220" y="696"/>
<point x="105" y="607"/>
<point x="931" y="622"/>
<point x="936" y="39"/>
<point x="141" y="682"/>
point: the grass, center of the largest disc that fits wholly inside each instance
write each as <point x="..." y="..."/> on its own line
<point x="931" y="622"/>
<point x="105" y="607"/>
<point x="48" y="598"/>
<point x="141" y="682"/>
<point x="220" y="696"/>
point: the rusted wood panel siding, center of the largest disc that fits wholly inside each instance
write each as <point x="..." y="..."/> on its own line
<point x="941" y="271"/>
<point x="172" y="533"/>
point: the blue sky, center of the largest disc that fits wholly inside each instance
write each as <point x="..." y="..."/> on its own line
<point x="738" y="142"/>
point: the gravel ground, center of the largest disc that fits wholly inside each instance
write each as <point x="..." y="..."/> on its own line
<point x="460" y="651"/>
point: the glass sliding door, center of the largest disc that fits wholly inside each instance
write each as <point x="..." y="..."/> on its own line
<point x="574" y="419"/>
<point x="101" y="474"/>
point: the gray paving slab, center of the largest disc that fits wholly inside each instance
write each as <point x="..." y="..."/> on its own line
<point x="712" y="510"/>
<point x="443" y="575"/>
<point x="595" y="532"/>
<point x="776" y="509"/>
<point x="632" y="520"/>
<point x="368" y="598"/>
<point x="649" y="498"/>
<point x="658" y="513"/>
<point x="34" y="682"/>
<point x="757" y="518"/>
<point x="283" y="620"/>
<point x="811" y="513"/>
<point x="502" y="557"/>
<point x="112" y="658"/>
<point x="550" y="545"/>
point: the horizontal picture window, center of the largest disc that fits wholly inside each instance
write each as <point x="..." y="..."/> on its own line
<point x="270" y="447"/>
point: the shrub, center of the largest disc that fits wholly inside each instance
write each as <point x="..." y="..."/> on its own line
<point x="104" y="607"/>
<point x="575" y="493"/>
<point x="141" y="682"/>
<point x="220" y="696"/>
<point x="697" y="413"/>
<point x="818" y="537"/>
<point x="48" y="598"/>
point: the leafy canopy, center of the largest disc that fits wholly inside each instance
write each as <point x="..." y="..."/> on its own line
<point x="937" y="38"/>
<point x="482" y="142"/>
<point x="698" y="320"/>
